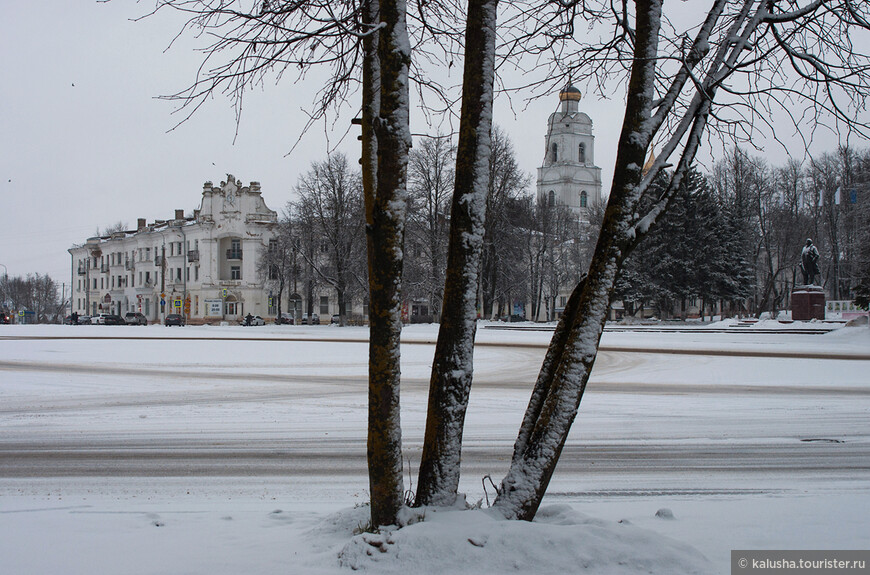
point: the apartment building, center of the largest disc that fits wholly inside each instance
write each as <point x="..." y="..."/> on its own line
<point x="202" y="265"/>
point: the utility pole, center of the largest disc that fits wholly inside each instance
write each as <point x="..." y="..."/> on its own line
<point x="163" y="280"/>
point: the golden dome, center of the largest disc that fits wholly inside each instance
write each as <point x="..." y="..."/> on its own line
<point x="569" y="92"/>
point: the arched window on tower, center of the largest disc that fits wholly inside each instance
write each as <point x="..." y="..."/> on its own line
<point x="551" y="199"/>
<point x="584" y="199"/>
<point x="555" y="148"/>
<point x="582" y="154"/>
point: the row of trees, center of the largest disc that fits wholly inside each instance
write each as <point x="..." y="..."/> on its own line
<point x="730" y="240"/>
<point x="36" y="293"/>
<point x="826" y="199"/>
<point x="735" y="237"/>
<point x="725" y="73"/>
<point x="531" y="252"/>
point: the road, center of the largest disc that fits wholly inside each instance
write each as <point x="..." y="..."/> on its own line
<point x="123" y="420"/>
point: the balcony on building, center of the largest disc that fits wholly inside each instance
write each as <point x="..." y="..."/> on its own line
<point x="230" y="256"/>
<point x="82" y="270"/>
<point x="193" y="255"/>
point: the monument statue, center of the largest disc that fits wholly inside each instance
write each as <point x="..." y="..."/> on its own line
<point x="810" y="263"/>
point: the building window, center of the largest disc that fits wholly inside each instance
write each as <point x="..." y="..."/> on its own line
<point x="273" y="272"/>
<point x="273" y="246"/>
<point x="196" y="273"/>
<point x="178" y="274"/>
<point x="235" y="251"/>
<point x="232" y="308"/>
<point x="324" y="305"/>
<point x="551" y="199"/>
<point x="236" y="273"/>
<point x="147" y="278"/>
<point x="584" y="199"/>
<point x="582" y="154"/>
<point x="555" y="149"/>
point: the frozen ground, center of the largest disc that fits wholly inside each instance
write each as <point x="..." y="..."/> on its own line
<point x="242" y="450"/>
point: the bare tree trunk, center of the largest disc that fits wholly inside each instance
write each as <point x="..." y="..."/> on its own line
<point x="574" y="347"/>
<point x="386" y="229"/>
<point x="451" y="379"/>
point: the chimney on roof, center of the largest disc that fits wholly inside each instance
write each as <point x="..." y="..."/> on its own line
<point x="140" y="225"/>
<point x="179" y="214"/>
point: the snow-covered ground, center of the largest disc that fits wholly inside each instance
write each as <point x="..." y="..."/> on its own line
<point x="242" y="450"/>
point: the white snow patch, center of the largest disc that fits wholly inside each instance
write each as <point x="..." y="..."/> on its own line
<point x="560" y="541"/>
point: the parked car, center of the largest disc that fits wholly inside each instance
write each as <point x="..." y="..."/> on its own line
<point x="285" y="319"/>
<point x="313" y="320"/>
<point x="174" y="319"/>
<point x="111" y="319"/>
<point x="85" y="320"/>
<point x="5" y="316"/>
<point x="253" y="320"/>
<point x="335" y="319"/>
<point x="135" y="318"/>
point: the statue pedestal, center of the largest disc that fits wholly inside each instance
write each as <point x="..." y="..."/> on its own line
<point x="807" y="302"/>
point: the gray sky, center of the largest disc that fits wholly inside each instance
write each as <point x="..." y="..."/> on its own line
<point x="85" y="143"/>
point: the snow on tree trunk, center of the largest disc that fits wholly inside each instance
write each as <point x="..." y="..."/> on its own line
<point x="451" y="379"/>
<point x="386" y="229"/>
<point x="574" y="347"/>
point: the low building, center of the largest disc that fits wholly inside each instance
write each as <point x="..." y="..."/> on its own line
<point x="203" y="266"/>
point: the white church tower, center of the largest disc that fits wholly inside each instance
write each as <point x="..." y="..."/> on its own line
<point x="569" y="175"/>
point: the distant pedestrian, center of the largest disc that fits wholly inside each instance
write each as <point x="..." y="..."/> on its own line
<point x="248" y="319"/>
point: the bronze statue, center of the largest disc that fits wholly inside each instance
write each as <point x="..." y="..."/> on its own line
<point x="810" y="263"/>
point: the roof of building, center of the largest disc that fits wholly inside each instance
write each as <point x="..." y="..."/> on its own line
<point x="569" y="92"/>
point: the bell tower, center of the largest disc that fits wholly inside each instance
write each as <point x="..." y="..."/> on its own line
<point x="569" y="175"/>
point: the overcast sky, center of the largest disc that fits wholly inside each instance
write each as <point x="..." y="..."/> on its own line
<point x="85" y="143"/>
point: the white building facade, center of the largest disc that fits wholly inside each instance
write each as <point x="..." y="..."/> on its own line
<point x="203" y="266"/>
<point x="569" y="175"/>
